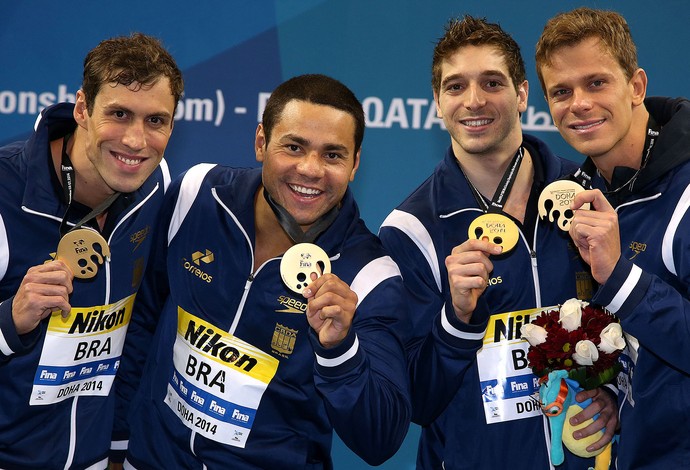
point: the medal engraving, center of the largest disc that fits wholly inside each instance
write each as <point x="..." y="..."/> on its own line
<point x="83" y="250"/>
<point x="556" y="200"/>
<point x="496" y="228"/>
<point x="300" y="262"/>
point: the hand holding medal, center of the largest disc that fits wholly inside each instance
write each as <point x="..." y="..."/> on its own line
<point x="556" y="200"/>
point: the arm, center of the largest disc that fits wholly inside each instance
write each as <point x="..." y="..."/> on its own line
<point x="441" y="347"/>
<point x="362" y="378"/>
<point x="147" y="307"/>
<point x="45" y="289"/>
<point x="633" y="295"/>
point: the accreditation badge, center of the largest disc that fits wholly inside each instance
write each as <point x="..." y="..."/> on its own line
<point x="300" y="263"/>
<point x="495" y="228"/>
<point x="81" y="352"/>
<point x="555" y="203"/>
<point x="83" y="250"/>
<point x="217" y="380"/>
<point x="507" y="384"/>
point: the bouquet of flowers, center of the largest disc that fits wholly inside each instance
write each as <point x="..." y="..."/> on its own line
<point x="579" y="338"/>
<point x="573" y="347"/>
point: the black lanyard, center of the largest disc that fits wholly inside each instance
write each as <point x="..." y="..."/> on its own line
<point x="582" y="175"/>
<point x="497" y="202"/>
<point x="293" y="229"/>
<point x="68" y="181"/>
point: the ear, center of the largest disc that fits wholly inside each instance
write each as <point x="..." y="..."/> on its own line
<point x="522" y="95"/>
<point x="260" y="143"/>
<point x="438" y="108"/>
<point x="638" y="85"/>
<point x="80" y="112"/>
<point x="356" y="165"/>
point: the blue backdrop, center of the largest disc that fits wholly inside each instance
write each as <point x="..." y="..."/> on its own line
<point x="233" y="53"/>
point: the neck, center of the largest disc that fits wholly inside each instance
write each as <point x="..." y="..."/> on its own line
<point x="486" y="172"/>
<point x="628" y="151"/>
<point x="89" y="187"/>
<point x="270" y="239"/>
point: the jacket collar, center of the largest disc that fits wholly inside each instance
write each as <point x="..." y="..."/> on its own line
<point x="238" y="195"/>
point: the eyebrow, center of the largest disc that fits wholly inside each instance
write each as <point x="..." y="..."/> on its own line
<point x="306" y="142"/>
<point x="116" y="106"/>
<point x="483" y="74"/>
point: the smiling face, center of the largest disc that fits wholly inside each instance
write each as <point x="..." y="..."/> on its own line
<point x="309" y="160"/>
<point x="478" y="102"/>
<point x="595" y="107"/>
<point x="122" y="141"/>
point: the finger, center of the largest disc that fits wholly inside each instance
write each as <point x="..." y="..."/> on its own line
<point x="483" y="246"/>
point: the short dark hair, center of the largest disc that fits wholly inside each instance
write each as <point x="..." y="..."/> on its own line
<point x="317" y="89"/>
<point x="128" y="59"/>
<point x="570" y="28"/>
<point x="471" y="31"/>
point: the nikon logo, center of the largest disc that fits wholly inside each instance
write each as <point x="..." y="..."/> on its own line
<point x="97" y="320"/>
<point x="199" y="257"/>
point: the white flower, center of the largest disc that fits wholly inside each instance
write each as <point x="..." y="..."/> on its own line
<point x="611" y="338"/>
<point x="586" y="353"/>
<point x="571" y="314"/>
<point x="534" y="334"/>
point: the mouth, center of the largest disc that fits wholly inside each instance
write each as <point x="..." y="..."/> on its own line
<point x="587" y="125"/>
<point x="303" y="191"/>
<point x="476" y="122"/>
<point x="129" y="161"/>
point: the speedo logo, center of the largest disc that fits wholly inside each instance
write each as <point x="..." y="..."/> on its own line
<point x="194" y="266"/>
<point x="637" y="248"/>
<point x="291" y="305"/>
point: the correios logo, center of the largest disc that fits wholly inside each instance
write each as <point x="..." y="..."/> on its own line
<point x="199" y="257"/>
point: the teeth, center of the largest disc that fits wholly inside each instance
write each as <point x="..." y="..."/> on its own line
<point x="587" y="126"/>
<point x="128" y="161"/>
<point x="305" y="191"/>
<point x="477" y="122"/>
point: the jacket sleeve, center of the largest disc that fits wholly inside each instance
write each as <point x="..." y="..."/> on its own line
<point x="363" y="380"/>
<point x="147" y="308"/>
<point x="440" y="348"/>
<point x="651" y="309"/>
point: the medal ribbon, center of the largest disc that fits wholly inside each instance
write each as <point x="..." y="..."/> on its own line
<point x="582" y="175"/>
<point x="293" y="229"/>
<point x="495" y="205"/>
<point x="68" y="181"/>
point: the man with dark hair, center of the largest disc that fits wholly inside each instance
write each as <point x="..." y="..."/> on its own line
<point x="637" y="238"/>
<point x="467" y="293"/>
<point x="273" y="315"/>
<point x="77" y="204"/>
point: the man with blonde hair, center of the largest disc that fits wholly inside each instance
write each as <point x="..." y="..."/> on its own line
<point x="637" y="238"/>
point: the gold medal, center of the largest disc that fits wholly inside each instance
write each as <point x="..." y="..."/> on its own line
<point x="300" y="262"/>
<point x="83" y="250"/>
<point x="495" y="228"/>
<point x="556" y="200"/>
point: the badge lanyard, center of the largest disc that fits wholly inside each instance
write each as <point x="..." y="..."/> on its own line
<point x="582" y="175"/>
<point x="81" y="248"/>
<point x="494" y="225"/>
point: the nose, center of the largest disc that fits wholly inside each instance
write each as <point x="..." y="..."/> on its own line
<point x="474" y="98"/>
<point x="581" y="101"/>
<point x="311" y="165"/>
<point x="135" y="136"/>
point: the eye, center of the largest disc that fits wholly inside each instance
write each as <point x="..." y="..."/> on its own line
<point x="333" y="156"/>
<point x="493" y="84"/>
<point x="157" y="121"/>
<point x="120" y="114"/>
<point x="597" y="83"/>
